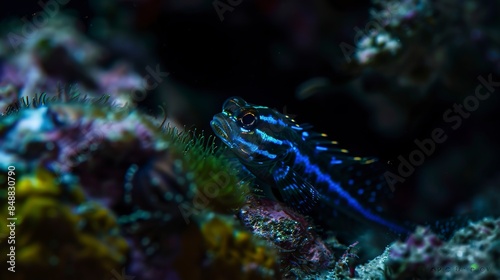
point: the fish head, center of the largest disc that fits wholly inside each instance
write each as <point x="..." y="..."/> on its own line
<point x="256" y="134"/>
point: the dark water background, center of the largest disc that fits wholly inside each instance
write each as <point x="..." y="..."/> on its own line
<point x="264" y="50"/>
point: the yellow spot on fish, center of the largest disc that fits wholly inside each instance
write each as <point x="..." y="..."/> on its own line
<point x="335" y="142"/>
<point x="344" y="151"/>
<point x="323" y="134"/>
<point x="370" y="161"/>
<point x="357" y="158"/>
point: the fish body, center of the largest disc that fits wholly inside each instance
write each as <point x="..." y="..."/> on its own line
<point x="300" y="167"/>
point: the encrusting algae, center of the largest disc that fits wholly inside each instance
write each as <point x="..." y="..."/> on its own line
<point x="225" y="251"/>
<point x="96" y="161"/>
<point x="60" y="233"/>
<point x="106" y="190"/>
<point x="236" y="253"/>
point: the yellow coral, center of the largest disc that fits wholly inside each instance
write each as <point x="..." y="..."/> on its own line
<point x="44" y="183"/>
<point x="235" y="254"/>
<point x="59" y="234"/>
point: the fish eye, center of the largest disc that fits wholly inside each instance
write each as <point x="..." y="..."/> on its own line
<point x="247" y="119"/>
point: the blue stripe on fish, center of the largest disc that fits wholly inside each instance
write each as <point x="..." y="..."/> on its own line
<point x="267" y="138"/>
<point x="300" y="166"/>
<point x="321" y="177"/>
<point x="254" y="148"/>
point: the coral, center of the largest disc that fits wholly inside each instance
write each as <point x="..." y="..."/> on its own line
<point x="374" y="269"/>
<point x="84" y="137"/>
<point x="104" y="188"/>
<point x="302" y="252"/>
<point x="213" y="175"/>
<point x="157" y="181"/>
<point x="59" y="53"/>
<point x="59" y="233"/>
<point x="235" y="254"/>
<point x="168" y="193"/>
<point x="393" y="22"/>
<point x="8" y="95"/>
<point x="213" y="246"/>
<point x="421" y="251"/>
<point x="472" y="253"/>
<point x="411" y="53"/>
<point x="88" y="137"/>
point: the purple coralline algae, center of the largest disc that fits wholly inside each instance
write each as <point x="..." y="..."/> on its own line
<point x="472" y="253"/>
<point x="302" y="251"/>
<point x="105" y="190"/>
<point x="162" y="188"/>
<point x="81" y="139"/>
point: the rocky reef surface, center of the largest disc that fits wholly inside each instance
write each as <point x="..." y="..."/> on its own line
<point x="105" y="190"/>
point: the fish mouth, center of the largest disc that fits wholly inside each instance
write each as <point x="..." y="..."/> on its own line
<point x="220" y="127"/>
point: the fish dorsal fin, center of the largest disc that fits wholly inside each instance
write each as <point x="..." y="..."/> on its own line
<point x="295" y="190"/>
<point x="301" y="127"/>
<point x="329" y="149"/>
